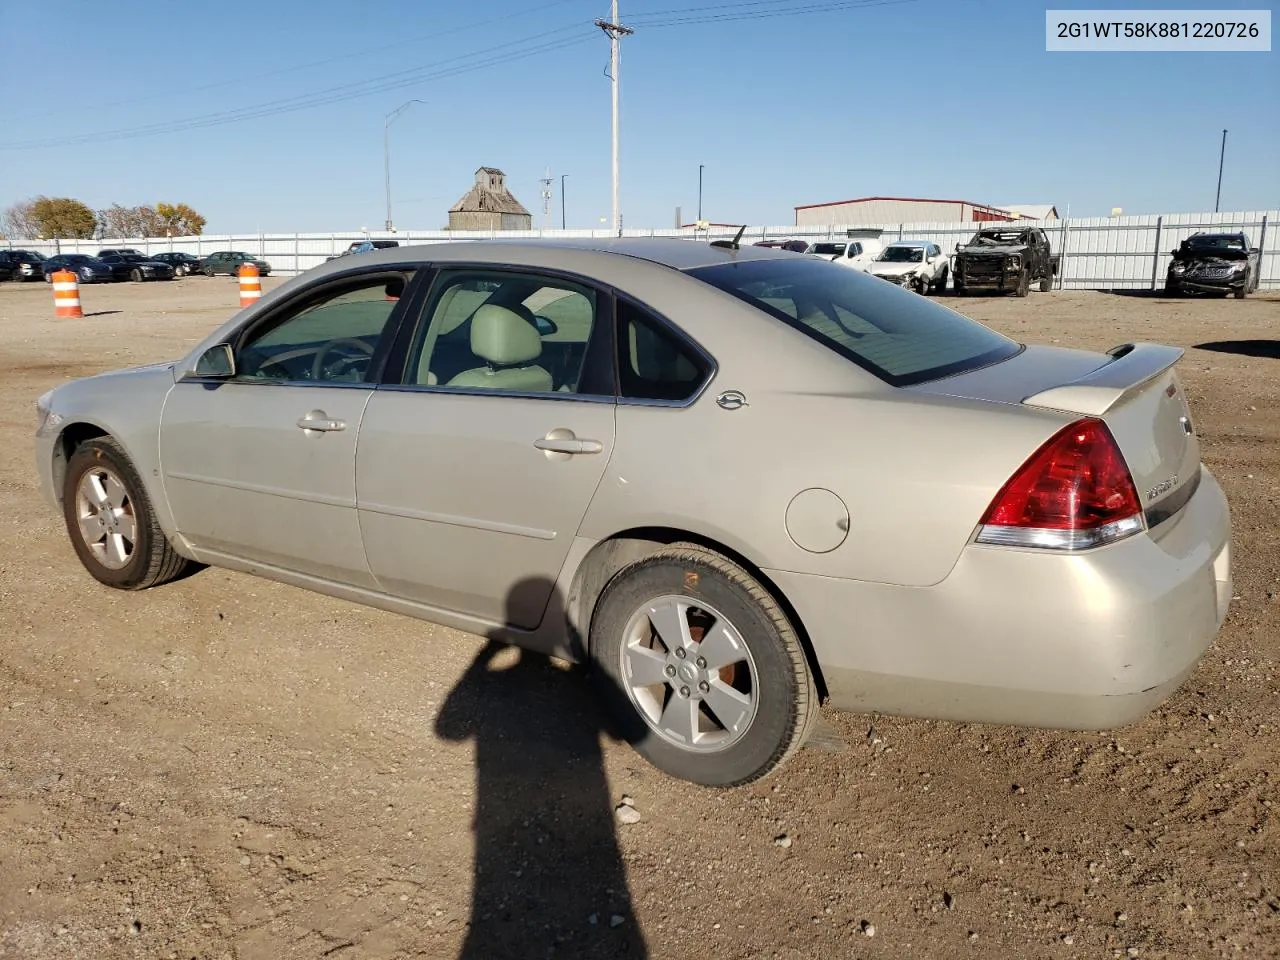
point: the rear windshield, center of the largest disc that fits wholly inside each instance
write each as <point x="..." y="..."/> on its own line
<point x="896" y="334"/>
<point x="829" y="249"/>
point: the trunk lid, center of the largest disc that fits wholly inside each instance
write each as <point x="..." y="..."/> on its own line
<point x="1134" y="389"/>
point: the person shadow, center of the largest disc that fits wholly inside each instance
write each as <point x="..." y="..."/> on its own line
<point x="549" y="879"/>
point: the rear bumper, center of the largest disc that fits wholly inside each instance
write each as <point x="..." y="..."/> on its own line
<point x="1026" y="637"/>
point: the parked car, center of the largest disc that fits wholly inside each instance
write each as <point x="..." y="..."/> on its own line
<point x="878" y="503"/>
<point x="857" y="254"/>
<point x="364" y="246"/>
<point x="229" y="261"/>
<point x="1006" y="257"/>
<point x="182" y="263"/>
<point x="1215" y="263"/>
<point x="918" y="265"/>
<point x="137" y="267"/>
<point x="120" y="251"/>
<point x="22" y="265"/>
<point x="86" y="268"/>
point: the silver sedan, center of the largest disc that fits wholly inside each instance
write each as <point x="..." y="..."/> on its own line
<point x="738" y="483"/>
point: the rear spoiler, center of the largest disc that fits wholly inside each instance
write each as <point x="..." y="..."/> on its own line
<point x="1132" y="365"/>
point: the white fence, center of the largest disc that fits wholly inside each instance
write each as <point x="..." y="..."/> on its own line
<point x="1103" y="253"/>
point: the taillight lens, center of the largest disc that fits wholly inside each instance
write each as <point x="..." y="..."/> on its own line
<point x="1074" y="493"/>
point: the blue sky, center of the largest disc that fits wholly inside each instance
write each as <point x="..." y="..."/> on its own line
<point x="931" y="98"/>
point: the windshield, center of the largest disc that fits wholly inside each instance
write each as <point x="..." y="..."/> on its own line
<point x="829" y="249"/>
<point x="994" y="237"/>
<point x="899" y="336"/>
<point x="1209" y="243"/>
<point x="902" y="254"/>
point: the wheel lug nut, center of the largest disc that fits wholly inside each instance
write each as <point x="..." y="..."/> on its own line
<point x="680" y="653"/>
<point x="704" y="686"/>
<point x="701" y="662"/>
<point x="671" y="671"/>
<point x="684" y="691"/>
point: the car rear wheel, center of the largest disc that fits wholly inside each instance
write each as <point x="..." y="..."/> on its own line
<point x="111" y="521"/>
<point x="1046" y="283"/>
<point x="701" y="667"/>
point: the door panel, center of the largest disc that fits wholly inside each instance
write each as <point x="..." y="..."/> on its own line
<point x="243" y="478"/>
<point x="458" y="507"/>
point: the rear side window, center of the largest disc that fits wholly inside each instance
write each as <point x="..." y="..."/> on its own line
<point x="652" y="363"/>
<point x="900" y="336"/>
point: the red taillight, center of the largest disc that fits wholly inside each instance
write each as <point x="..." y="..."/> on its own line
<point x="1074" y="492"/>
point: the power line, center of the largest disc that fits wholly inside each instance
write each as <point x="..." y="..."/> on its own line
<point x="168" y="95"/>
<point x="690" y="17"/>
<point x="338" y="94"/>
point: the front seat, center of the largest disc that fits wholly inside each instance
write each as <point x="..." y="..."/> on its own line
<point x="509" y="345"/>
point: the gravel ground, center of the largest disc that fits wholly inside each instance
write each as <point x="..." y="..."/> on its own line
<point x="230" y="768"/>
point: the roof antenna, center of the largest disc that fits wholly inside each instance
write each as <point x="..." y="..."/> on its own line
<point x="735" y="243"/>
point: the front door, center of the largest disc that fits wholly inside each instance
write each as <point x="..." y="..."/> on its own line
<point x="474" y="473"/>
<point x="261" y="467"/>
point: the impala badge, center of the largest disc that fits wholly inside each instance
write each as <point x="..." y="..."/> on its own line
<point x="732" y="400"/>
<point x="1162" y="487"/>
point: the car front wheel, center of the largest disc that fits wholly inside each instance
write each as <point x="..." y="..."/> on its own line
<point x="111" y="521"/>
<point x="701" y="667"/>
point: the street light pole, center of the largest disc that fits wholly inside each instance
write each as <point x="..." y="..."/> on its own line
<point x="615" y="31"/>
<point x="562" y="176"/>
<point x="700" y="166"/>
<point x="1221" y="157"/>
<point x="386" y="151"/>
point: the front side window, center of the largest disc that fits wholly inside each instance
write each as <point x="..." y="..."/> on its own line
<point x="899" y="336"/>
<point x="505" y="331"/>
<point x="330" y="337"/>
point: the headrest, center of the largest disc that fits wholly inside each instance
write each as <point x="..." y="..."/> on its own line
<point x="500" y="336"/>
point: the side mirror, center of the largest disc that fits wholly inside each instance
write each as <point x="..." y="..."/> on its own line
<point x="1255" y="250"/>
<point x="957" y="247"/>
<point x="218" y="361"/>
<point x="545" y="326"/>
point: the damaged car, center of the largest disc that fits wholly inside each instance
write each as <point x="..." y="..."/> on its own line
<point x="915" y="264"/>
<point x="1214" y="263"/>
<point x="1006" y="257"/>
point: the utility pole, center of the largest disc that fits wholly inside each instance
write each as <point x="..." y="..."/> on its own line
<point x="700" y="166"/>
<point x="546" y="200"/>
<point x="1221" y="157"/>
<point x="616" y="31"/>
<point x="386" y="151"/>
<point x="562" y="221"/>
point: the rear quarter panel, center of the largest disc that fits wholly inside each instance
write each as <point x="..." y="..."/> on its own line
<point x="914" y="472"/>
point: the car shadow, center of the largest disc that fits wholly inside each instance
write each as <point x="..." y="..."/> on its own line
<point x="1244" y="348"/>
<point x="549" y="879"/>
<point x="101" y="313"/>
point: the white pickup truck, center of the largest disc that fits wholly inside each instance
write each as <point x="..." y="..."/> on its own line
<point x="857" y="253"/>
<point x="915" y="264"/>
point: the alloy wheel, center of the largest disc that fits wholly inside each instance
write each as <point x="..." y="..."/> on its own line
<point x="105" y="516"/>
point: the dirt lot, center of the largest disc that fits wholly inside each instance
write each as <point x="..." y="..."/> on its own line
<point x="226" y="767"/>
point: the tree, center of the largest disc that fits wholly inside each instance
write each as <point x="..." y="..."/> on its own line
<point x="63" y="217"/>
<point x="18" y="223"/>
<point x="180" y="219"/>
<point x="164" y="219"/>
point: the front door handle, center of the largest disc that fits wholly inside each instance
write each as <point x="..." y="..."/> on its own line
<point x="568" y="445"/>
<point x="320" y="422"/>
<point x="561" y="443"/>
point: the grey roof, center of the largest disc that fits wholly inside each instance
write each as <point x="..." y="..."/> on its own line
<point x="482" y="198"/>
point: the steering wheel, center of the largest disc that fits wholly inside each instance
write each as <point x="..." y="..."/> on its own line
<point x="318" y="367"/>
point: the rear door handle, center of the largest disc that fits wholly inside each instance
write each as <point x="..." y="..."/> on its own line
<point x="319" y="421"/>
<point x="568" y="445"/>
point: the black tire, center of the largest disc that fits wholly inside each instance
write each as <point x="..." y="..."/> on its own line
<point x="783" y="687"/>
<point x="957" y="287"/>
<point x="1046" y="282"/>
<point x="1172" y="288"/>
<point x="1024" y="283"/>
<point x="135" y="275"/>
<point x="941" y="286"/>
<point x="153" y="560"/>
<point x="1240" y="291"/>
<point x="208" y="271"/>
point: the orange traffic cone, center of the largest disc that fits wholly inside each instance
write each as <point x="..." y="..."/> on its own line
<point x="250" y="285"/>
<point x="66" y="295"/>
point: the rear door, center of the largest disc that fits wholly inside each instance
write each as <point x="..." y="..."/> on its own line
<point x="474" y="471"/>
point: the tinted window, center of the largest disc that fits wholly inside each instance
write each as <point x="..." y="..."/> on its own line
<point x="509" y="332"/>
<point x="899" y="336"/>
<point x="652" y="363"/>
<point x="330" y="337"/>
